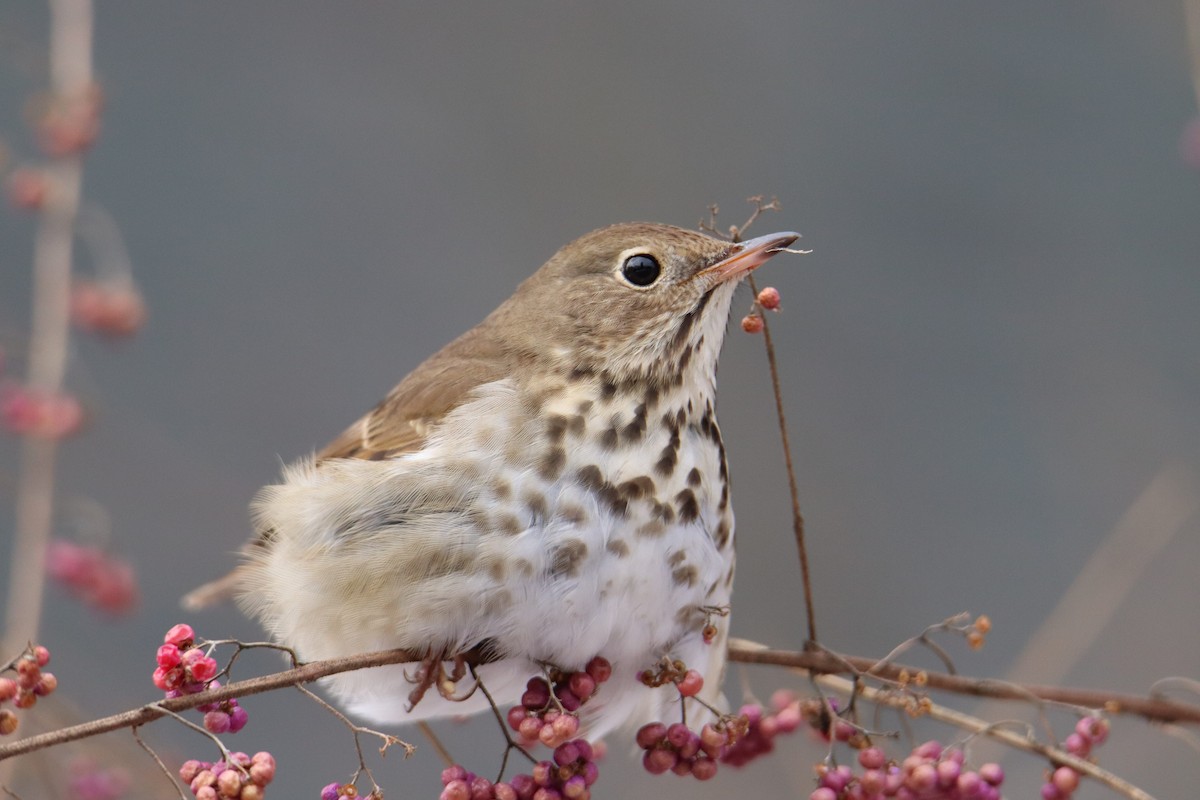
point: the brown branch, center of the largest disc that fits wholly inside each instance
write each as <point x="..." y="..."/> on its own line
<point x="153" y="711"/>
<point x="1151" y="708"/>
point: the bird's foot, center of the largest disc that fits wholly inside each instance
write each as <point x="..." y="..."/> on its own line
<point x="432" y="673"/>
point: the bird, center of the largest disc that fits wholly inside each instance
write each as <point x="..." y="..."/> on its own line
<point x="549" y="487"/>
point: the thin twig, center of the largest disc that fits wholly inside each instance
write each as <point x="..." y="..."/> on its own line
<point x="735" y="235"/>
<point x="1150" y="708"/>
<point x="435" y="743"/>
<point x="797" y="517"/>
<point x="511" y="743"/>
<point x="170" y="777"/>
<point x="388" y="740"/>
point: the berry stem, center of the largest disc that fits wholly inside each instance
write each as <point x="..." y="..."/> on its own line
<point x="137" y="737"/>
<point x="797" y="517"/>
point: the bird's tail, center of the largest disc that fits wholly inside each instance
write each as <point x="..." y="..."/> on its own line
<point x="219" y="591"/>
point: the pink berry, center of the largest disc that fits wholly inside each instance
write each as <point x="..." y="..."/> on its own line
<point x="704" y="769"/>
<point x="1093" y="728"/>
<point x="931" y="750"/>
<point x="872" y="781"/>
<point x="504" y="791"/>
<point x="599" y="669"/>
<point x="229" y="783"/>
<point x="543" y="773"/>
<point x="1051" y="792"/>
<point x="8" y="722"/>
<point x="168" y="656"/>
<point x="536" y="697"/>
<point x="1078" y="745"/>
<point x="8" y="689"/>
<point x="1065" y="779"/>
<point x="710" y="736"/>
<point x="574" y="788"/>
<point x="923" y="778"/>
<point x="752" y="323"/>
<point x="992" y="773"/>
<point x="237" y="719"/>
<point x="216" y="722"/>
<point x="657" y="762"/>
<point x="481" y="789"/>
<point x="678" y="734"/>
<point x="842" y="730"/>
<point x="262" y="774"/>
<point x="948" y="772"/>
<point x="969" y="785"/>
<point x="871" y="758"/>
<point x="251" y="791"/>
<point x="530" y="728"/>
<point x="565" y="726"/>
<point x="180" y="635"/>
<point x="515" y="716"/>
<point x="582" y="685"/>
<point x="691" y="684"/>
<point x="456" y="790"/>
<point x="768" y="298"/>
<point x="548" y="737"/>
<point x="41" y="655"/>
<point x="45" y="685"/>
<point x="651" y="734"/>
<point x="568" y="699"/>
<point x="823" y="793"/>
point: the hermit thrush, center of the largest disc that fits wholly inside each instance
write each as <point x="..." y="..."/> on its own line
<point x="549" y="487"/>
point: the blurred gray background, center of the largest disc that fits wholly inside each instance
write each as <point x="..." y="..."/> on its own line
<point x="989" y="355"/>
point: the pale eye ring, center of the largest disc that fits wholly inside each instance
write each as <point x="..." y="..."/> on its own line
<point x="641" y="270"/>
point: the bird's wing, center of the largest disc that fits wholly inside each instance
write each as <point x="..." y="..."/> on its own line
<point x="400" y="423"/>
<point x="404" y="419"/>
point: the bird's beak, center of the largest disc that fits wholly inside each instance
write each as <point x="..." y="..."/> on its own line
<point x="748" y="255"/>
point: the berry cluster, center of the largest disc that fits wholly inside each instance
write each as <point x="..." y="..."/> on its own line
<point x="678" y="749"/>
<point x="30" y="684"/>
<point x="183" y="668"/>
<point x="1062" y="782"/>
<point x="241" y="778"/>
<point x="102" y="581"/>
<point x="45" y="415"/>
<point x="929" y="772"/>
<point x="569" y="776"/>
<point x="735" y="739"/>
<point x="755" y="728"/>
<point x="547" y="713"/>
<point x="110" y="309"/>
<point x="767" y="300"/>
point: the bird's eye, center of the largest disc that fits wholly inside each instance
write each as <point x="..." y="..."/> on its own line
<point x="641" y="270"/>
